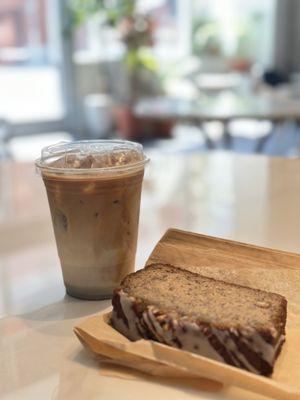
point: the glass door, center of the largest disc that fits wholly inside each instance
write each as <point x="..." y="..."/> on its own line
<point x="31" y="66"/>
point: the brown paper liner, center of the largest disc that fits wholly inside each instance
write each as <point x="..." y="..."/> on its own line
<point x="231" y="261"/>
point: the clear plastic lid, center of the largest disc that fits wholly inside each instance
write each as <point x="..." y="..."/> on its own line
<point x="91" y="156"/>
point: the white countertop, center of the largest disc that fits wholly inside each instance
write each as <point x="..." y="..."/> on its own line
<point x="251" y="199"/>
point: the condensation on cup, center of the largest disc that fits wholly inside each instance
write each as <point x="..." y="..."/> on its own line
<point x="94" y="192"/>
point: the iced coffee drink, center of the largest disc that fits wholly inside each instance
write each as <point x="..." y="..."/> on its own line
<point x="94" y="191"/>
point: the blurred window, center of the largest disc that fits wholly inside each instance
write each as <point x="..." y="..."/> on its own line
<point x="29" y="75"/>
<point x="237" y="29"/>
<point x="171" y="33"/>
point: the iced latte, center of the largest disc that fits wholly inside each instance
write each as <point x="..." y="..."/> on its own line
<point x="94" y="191"/>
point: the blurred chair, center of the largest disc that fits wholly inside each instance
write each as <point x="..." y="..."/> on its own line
<point x="250" y="135"/>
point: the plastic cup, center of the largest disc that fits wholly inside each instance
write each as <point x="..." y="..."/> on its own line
<point x="94" y="192"/>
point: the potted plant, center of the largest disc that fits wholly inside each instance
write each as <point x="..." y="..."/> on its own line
<point x="139" y="68"/>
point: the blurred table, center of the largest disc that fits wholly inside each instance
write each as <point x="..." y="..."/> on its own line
<point x="252" y="199"/>
<point x="216" y="82"/>
<point x="224" y="107"/>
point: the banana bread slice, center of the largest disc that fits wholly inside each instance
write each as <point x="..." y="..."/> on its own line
<point x="230" y="323"/>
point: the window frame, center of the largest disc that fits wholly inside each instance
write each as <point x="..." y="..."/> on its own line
<point x="56" y="10"/>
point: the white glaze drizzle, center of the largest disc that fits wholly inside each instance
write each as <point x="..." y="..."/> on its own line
<point x="190" y="335"/>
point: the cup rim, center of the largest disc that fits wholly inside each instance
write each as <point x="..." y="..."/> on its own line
<point x="47" y="153"/>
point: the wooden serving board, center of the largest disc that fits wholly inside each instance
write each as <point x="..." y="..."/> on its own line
<point x="231" y="261"/>
<point x="244" y="264"/>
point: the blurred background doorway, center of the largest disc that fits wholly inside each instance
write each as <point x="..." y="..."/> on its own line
<point x="31" y="66"/>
